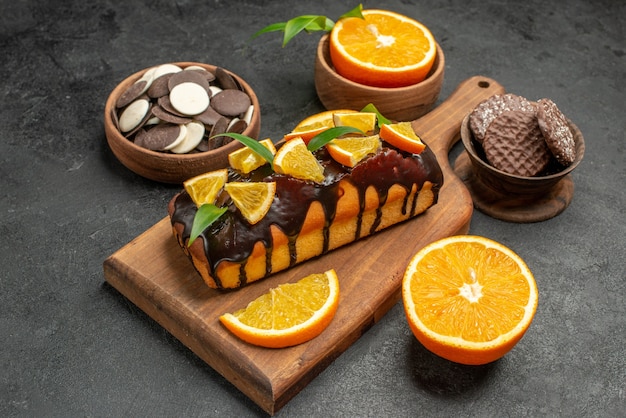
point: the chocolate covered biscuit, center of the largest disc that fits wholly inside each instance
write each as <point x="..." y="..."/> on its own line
<point x="486" y="111"/>
<point x="513" y="143"/>
<point x="556" y="131"/>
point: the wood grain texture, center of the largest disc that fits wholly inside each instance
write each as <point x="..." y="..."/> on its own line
<point x="153" y="273"/>
<point x="511" y="207"/>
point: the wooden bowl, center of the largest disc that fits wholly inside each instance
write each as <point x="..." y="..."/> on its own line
<point x="168" y="167"/>
<point x="399" y="103"/>
<point x="513" y="184"/>
<point x="516" y="198"/>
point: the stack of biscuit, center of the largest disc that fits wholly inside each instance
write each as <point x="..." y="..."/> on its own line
<point x="522" y="137"/>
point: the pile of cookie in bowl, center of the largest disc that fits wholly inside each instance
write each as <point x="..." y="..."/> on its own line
<point x="518" y="146"/>
<point x="521" y="137"/>
<point x="165" y="122"/>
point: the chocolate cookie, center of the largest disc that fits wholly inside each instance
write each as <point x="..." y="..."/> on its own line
<point x="230" y="102"/>
<point x="167" y="99"/>
<point x="513" y="143"/>
<point x="556" y="132"/>
<point x="487" y="110"/>
<point x="161" y="137"/>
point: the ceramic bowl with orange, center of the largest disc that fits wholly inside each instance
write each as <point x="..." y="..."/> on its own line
<point x="398" y="103"/>
<point x="386" y="59"/>
<point x="166" y="166"/>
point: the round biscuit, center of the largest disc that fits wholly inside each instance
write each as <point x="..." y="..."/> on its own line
<point x="556" y="131"/>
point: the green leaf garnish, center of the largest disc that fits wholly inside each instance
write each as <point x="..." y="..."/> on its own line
<point x="323" y="138"/>
<point x="252" y="144"/>
<point x="381" y="120"/>
<point x="308" y="23"/>
<point x="275" y="27"/>
<point x="356" y="12"/>
<point x="205" y="216"/>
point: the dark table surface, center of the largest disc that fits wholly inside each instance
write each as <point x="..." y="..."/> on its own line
<point x="73" y="346"/>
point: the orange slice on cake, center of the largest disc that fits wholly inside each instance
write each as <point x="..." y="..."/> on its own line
<point x="350" y="150"/>
<point x="403" y="136"/>
<point x="294" y="159"/>
<point x="253" y="199"/>
<point x="204" y="188"/>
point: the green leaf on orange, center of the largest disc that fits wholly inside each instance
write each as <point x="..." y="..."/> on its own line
<point x="370" y="108"/>
<point x="205" y="216"/>
<point x="323" y="138"/>
<point x="253" y="144"/>
<point x="308" y="23"/>
<point x="356" y="12"/>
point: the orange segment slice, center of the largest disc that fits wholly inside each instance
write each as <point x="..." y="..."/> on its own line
<point x="253" y="199"/>
<point x="364" y="121"/>
<point x="205" y="187"/>
<point x="306" y="132"/>
<point x="324" y="118"/>
<point x="402" y="135"/>
<point x="313" y="125"/>
<point x="294" y="159"/>
<point x="468" y="299"/>
<point x="246" y="160"/>
<point x="289" y="314"/>
<point x="385" y="49"/>
<point x="350" y="150"/>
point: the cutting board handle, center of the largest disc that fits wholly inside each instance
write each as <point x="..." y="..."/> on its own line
<point x="441" y="128"/>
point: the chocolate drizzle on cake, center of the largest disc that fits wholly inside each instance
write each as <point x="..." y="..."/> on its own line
<point x="232" y="238"/>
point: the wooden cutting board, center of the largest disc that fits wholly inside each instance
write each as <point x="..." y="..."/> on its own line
<point x="154" y="274"/>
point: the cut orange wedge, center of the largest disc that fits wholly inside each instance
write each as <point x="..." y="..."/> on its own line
<point x="205" y="187"/>
<point x="313" y="125"/>
<point x="253" y="199"/>
<point x="294" y="159"/>
<point x="385" y="49"/>
<point x="246" y="160"/>
<point x="402" y="135"/>
<point x="289" y="314"/>
<point x="468" y="299"/>
<point x="324" y="118"/>
<point x="306" y="132"/>
<point x="350" y="150"/>
<point x="364" y="121"/>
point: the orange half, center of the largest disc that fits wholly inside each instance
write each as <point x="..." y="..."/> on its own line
<point x="468" y="299"/>
<point x="385" y="49"/>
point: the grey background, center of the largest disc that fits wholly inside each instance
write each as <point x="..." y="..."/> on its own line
<point x="73" y="346"/>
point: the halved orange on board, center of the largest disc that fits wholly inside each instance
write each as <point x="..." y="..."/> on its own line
<point x="385" y="49"/>
<point x="468" y="299"/>
<point x="289" y="314"/>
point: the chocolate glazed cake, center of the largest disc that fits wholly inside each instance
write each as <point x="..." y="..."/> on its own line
<point x="308" y="219"/>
